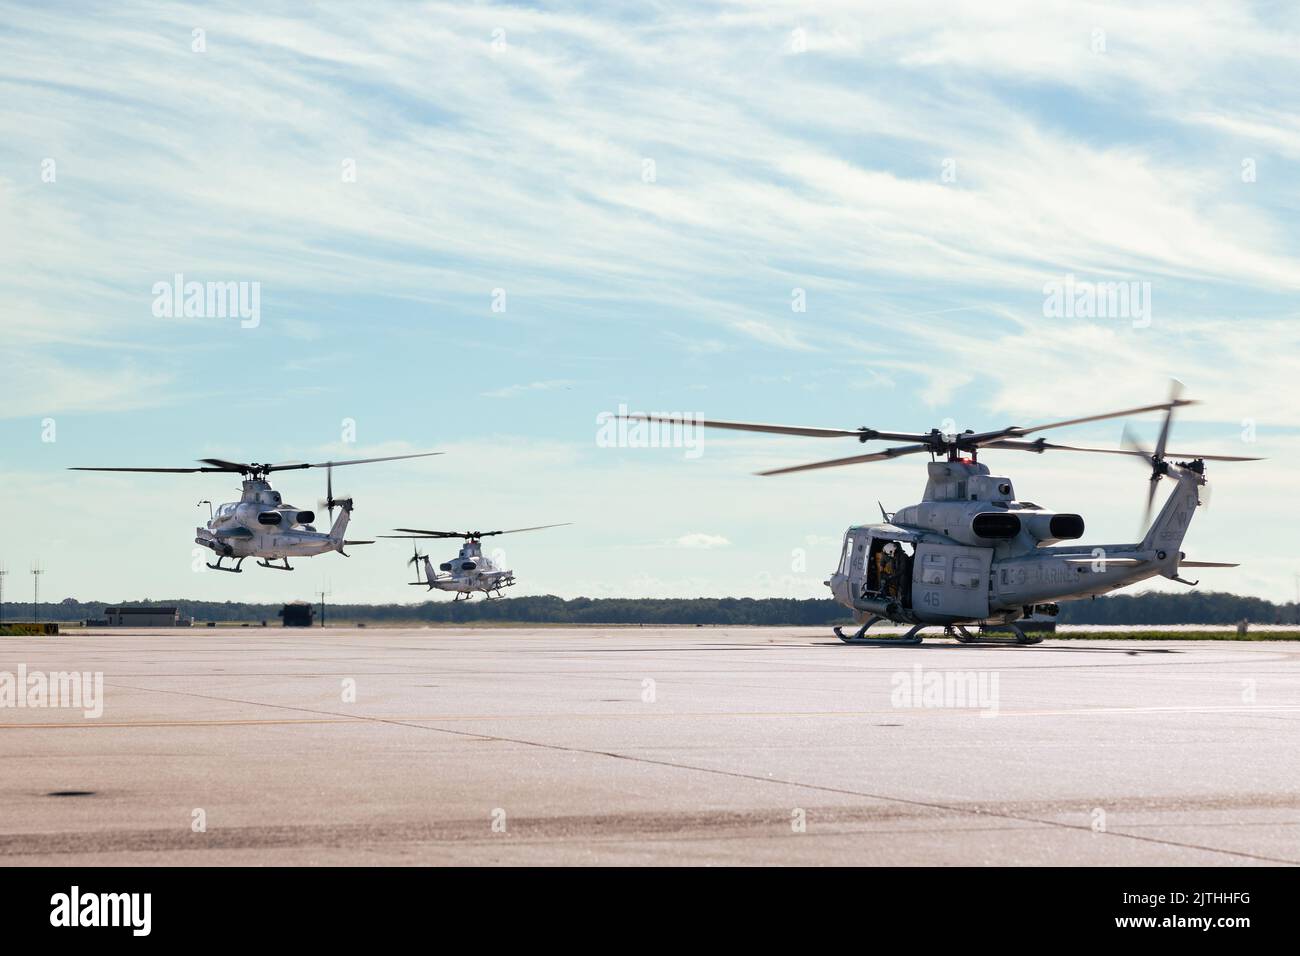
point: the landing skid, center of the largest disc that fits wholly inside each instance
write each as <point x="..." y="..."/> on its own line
<point x="275" y="567"/>
<point x="496" y="589"/>
<point x="859" y="637"/>
<point x="966" y="637"/>
<point x="219" y="567"/>
<point x="913" y="637"/>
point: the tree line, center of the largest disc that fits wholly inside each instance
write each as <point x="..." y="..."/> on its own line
<point x="1194" y="607"/>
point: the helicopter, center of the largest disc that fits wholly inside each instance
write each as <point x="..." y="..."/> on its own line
<point x="971" y="553"/>
<point x="470" y="570"/>
<point x="262" y="524"/>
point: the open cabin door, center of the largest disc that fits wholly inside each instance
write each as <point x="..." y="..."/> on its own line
<point x="951" y="581"/>
<point x="853" y="562"/>
<point x="877" y="562"/>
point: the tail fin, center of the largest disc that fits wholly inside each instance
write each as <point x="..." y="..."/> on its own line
<point x="1167" y="531"/>
<point x="340" y="526"/>
<point x="428" y="572"/>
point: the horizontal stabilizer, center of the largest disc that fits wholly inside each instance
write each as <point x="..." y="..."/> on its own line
<point x="358" y="542"/>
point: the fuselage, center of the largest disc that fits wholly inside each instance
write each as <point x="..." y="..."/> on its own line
<point x="471" y="570"/>
<point x="261" y="524"/>
<point x="971" y="552"/>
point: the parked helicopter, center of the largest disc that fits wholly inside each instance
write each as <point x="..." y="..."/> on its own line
<point x="470" y="570"/>
<point x="262" y="524"/>
<point x="971" y="553"/>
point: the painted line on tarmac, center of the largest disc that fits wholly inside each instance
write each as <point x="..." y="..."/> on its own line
<point x="698" y="715"/>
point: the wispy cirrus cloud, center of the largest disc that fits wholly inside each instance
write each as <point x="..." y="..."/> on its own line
<point x="514" y="391"/>
<point x="647" y="190"/>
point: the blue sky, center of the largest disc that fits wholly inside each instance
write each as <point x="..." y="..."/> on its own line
<point x="649" y="189"/>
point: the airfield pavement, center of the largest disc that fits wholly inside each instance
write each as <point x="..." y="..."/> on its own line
<point x="648" y="745"/>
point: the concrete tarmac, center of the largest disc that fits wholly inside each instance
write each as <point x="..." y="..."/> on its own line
<point x="633" y="746"/>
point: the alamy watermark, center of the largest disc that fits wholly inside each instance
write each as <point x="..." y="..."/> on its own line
<point x="972" y="690"/>
<point x="624" y="429"/>
<point x="208" y="300"/>
<point x="1072" y="298"/>
<point x="128" y="910"/>
<point x="77" y="690"/>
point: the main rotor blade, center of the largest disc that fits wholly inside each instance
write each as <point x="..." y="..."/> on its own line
<point x="1018" y="430"/>
<point x="417" y="533"/>
<point x="355" y="461"/>
<point x="895" y="452"/>
<point x="177" y="471"/>
<point x="243" y="468"/>
<point x="1040" y="446"/>
<point x="806" y="431"/>
<point x="421" y="533"/>
<point x="1207" y="564"/>
<point x="538" y="527"/>
<point x="220" y="464"/>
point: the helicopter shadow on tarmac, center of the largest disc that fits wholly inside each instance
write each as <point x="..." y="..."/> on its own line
<point x="1039" y="648"/>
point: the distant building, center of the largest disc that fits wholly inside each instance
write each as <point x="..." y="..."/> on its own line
<point x="142" y="616"/>
<point x="297" y="614"/>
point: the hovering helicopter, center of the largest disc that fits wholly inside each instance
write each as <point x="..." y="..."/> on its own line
<point x="971" y="553"/>
<point x="470" y="570"/>
<point x="262" y="524"/>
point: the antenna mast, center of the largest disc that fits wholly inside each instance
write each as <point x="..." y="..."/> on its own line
<point x="37" y="571"/>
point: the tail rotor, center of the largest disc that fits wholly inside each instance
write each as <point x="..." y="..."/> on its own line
<point x="1159" y="468"/>
<point x="1155" y="457"/>
<point x="329" y="502"/>
<point x="416" y="558"/>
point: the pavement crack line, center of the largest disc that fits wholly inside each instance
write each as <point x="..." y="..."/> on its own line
<point x="734" y="774"/>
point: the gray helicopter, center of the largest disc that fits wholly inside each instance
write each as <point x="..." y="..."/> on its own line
<point x="971" y="553"/>
<point x="471" y="570"/>
<point x="262" y="524"/>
